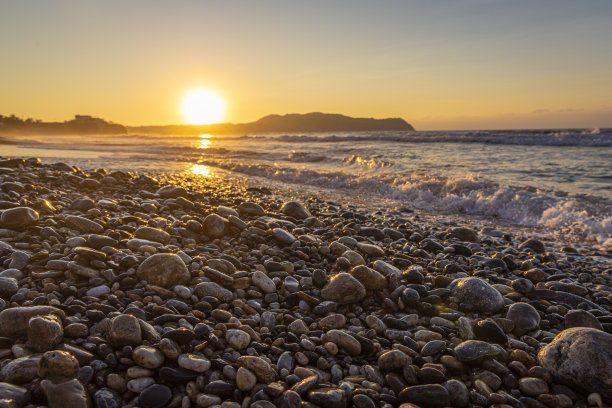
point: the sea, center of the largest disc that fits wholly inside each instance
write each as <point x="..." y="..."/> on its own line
<point x="558" y="181"/>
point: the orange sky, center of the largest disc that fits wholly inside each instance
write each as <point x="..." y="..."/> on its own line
<point x="471" y="64"/>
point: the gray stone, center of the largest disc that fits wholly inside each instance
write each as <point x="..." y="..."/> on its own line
<point x="433" y="395"/>
<point x="212" y="289"/>
<point x="152" y="234"/>
<point x="8" y="287"/>
<point x="66" y="394"/>
<point x="83" y="225"/>
<point x="125" y="330"/>
<point x="369" y="278"/>
<point x="525" y="317"/>
<point x="296" y="210"/>
<point x="471" y="350"/>
<point x="164" y="270"/>
<point x="343" y="289"/>
<point x="57" y="364"/>
<point x="581" y="318"/>
<point x="18" y="217"/>
<point x="581" y="357"/>
<point x="214" y="225"/>
<point x="477" y="294"/>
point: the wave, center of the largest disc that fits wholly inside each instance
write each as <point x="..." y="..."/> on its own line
<point x="570" y="137"/>
<point x="578" y="215"/>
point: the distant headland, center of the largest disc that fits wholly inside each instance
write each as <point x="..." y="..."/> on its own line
<point x="309" y="122"/>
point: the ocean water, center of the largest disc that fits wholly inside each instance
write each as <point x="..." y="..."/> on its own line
<point x="559" y="180"/>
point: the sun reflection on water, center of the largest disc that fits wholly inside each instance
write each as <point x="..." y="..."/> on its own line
<point x="205" y="141"/>
<point x="201" y="170"/>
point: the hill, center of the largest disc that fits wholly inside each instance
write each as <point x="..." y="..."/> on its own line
<point x="309" y="122"/>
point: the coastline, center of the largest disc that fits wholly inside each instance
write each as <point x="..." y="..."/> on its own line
<point x="260" y="300"/>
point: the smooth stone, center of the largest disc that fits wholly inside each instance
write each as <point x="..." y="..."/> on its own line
<point x="193" y="362"/>
<point x="370" y="249"/>
<point x="295" y="210"/>
<point x="155" y="396"/>
<point x="237" y="339"/>
<point x="298" y="327"/>
<point x="370" y="278"/>
<point x="8" y="287"/>
<point x="488" y="330"/>
<point x="245" y="379"/>
<point x="214" y="226"/>
<point x="250" y="208"/>
<point x="533" y="244"/>
<point x="393" y="360"/>
<point x="165" y="270"/>
<point x="471" y="350"/>
<point x="458" y="393"/>
<point x="581" y="318"/>
<point x="581" y="357"/>
<point x="261" y="368"/>
<point x="18" y="217"/>
<point x="283" y="236"/>
<point x="432" y="395"/>
<point x="464" y="234"/>
<point x="332" y="321"/>
<point x="66" y="394"/>
<point x="152" y="234"/>
<point x="124" y="330"/>
<point x="363" y="401"/>
<point x="14" y="322"/>
<point x="107" y="398"/>
<point x="285" y="361"/>
<point x="44" y="333"/>
<point x="478" y="294"/>
<point x="524" y="316"/>
<point x="14" y="393"/>
<point x="220" y="388"/>
<point x="177" y="375"/>
<point x="290" y="399"/>
<point x="147" y="357"/>
<point x="98" y="291"/>
<point x="263" y="282"/>
<point x="215" y="290"/>
<point x="138" y="385"/>
<point x="21" y="370"/>
<point x="83" y="225"/>
<point x="172" y="192"/>
<point x="533" y="387"/>
<point x="344" y="340"/>
<point x="58" y="364"/>
<point x="343" y="289"/>
<point x="328" y="397"/>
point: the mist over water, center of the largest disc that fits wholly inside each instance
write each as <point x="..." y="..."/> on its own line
<point x="559" y="179"/>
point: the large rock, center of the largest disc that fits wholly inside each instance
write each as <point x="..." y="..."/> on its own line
<point x="343" y="289"/>
<point x="152" y="234"/>
<point x="66" y="394"/>
<point x="44" y="333"/>
<point x="214" y="225"/>
<point x="58" y="365"/>
<point x="83" y="225"/>
<point x="525" y="317"/>
<point x="14" y="321"/>
<point x="581" y="357"/>
<point x="296" y="210"/>
<point x="477" y="294"/>
<point x="124" y="330"/>
<point x="212" y="289"/>
<point x="164" y="270"/>
<point x="370" y="278"/>
<point x="18" y="217"/>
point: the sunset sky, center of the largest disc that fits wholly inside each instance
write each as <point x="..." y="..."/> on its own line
<point x="472" y="64"/>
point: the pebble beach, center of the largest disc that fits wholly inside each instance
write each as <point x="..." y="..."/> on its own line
<point x="123" y="289"/>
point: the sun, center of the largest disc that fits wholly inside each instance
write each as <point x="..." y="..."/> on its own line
<point x="203" y="107"/>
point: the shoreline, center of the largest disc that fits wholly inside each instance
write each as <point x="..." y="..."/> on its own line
<point x="196" y="291"/>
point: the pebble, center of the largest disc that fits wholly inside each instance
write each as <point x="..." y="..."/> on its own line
<point x="148" y="357"/>
<point x="65" y="394"/>
<point x="343" y="289"/>
<point x="524" y="316"/>
<point x="165" y="270"/>
<point x="193" y="362"/>
<point x="58" y="364"/>
<point x="125" y="330"/>
<point x="155" y="396"/>
<point x="477" y="294"/>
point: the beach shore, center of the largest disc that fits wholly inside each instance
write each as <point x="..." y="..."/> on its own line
<point x="173" y="289"/>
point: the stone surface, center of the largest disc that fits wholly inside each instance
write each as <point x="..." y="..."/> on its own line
<point x="44" y="332"/>
<point x="165" y="270"/>
<point x="369" y="278"/>
<point x="107" y="398"/>
<point x="15" y="321"/>
<point x="125" y="330"/>
<point x="343" y="289"/>
<point x="581" y="357"/>
<point x="214" y="290"/>
<point x="57" y="364"/>
<point x="296" y="210"/>
<point x="471" y="350"/>
<point x="66" y="394"/>
<point x="18" y="217"/>
<point x="237" y="339"/>
<point x="245" y="379"/>
<point x="581" y="318"/>
<point x="21" y="370"/>
<point x="8" y="287"/>
<point x="147" y="357"/>
<point x="155" y="396"/>
<point x="525" y="317"/>
<point x="477" y="294"/>
<point x="214" y="225"/>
